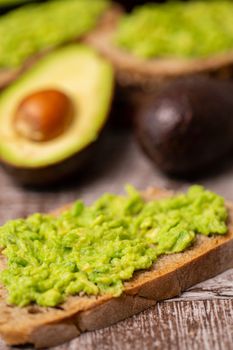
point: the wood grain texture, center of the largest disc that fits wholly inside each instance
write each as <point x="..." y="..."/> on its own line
<point x="180" y="325"/>
<point x="202" y="318"/>
<point x="183" y="325"/>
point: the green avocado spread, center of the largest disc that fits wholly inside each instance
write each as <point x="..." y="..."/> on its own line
<point x="37" y="27"/>
<point x="93" y="249"/>
<point x="177" y="29"/>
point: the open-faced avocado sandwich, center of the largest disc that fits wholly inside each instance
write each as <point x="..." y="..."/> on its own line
<point x="85" y="267"/>
<point x="156" y="42"/>
<point x="32" y="30"/>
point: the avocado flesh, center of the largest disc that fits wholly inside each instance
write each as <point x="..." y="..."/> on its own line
<point x="86" y="78"/>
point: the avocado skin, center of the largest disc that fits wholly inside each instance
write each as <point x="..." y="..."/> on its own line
<point x="59" y="173"/>
<point x="52" y="174"/>
<point x="188" y="125"/>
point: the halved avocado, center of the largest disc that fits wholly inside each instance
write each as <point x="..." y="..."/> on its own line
<point x="87" y="80"/>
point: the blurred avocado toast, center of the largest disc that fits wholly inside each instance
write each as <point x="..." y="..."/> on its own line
<point x="85" y="267"/>
<point x="43" y="27"/>
<point x="168" y="40"/>
<point x="156" y="42"/>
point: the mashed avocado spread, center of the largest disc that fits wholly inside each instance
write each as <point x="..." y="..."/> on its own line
<point x="36" y="27"/>
<point x="93" y="249"/>
<point x="177" y="29"/>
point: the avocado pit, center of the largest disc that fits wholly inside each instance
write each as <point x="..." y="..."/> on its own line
<point x="43" y="115"/>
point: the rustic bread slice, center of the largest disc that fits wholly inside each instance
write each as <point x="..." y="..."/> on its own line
<point x="132" y="71"/>
<point x="169" y="276"/>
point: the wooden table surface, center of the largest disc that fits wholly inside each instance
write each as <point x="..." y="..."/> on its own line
<point x="202" y="318"/>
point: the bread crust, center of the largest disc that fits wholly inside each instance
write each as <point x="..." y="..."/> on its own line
<point x="132" y="71"/>
<point x="7" y="76"/>
<point x="168" y="277"/>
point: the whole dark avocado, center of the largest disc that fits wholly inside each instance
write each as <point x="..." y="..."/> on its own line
<point x="188" y="125"/>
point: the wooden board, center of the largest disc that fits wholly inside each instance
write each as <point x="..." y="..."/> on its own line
<point x="202" y="318"/>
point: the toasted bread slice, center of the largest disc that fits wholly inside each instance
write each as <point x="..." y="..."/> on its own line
<point x="132" y="71"/>
<point x="169" y="276"/>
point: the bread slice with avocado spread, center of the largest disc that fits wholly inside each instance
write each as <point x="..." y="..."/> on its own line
<point x="152" y="237"/>
<point x="44" y="27"/>
<point x="147" y="47"/>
